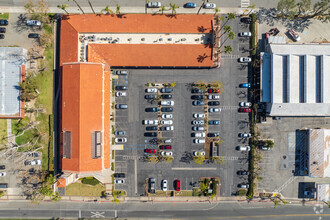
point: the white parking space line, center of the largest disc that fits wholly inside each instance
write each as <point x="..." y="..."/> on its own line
<point x="194" y="168"/>
<point x="229" y="56"/>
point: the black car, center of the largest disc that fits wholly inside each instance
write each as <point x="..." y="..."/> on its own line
<point x="166" y="90"/>
<point x="195" y="90"/>
<point x="246" y="20"/>
<point x="166" y="96"/>
<point x="197" y="97"/>
<point x="2" y="167"/>
<point x="120" y="132"/>
<point x="154" y="109"/>
<point x="2" y="36"/>
<point x="150" y="134"/>
<point x="167" y="109"/>
<point x="3" y="22"/>
<point x="121" y="87"/>
<point x="34" y="35"/>
<point x="150" y="96"/>
<point x="243" y="172"/>
<point x="2" y="30"/>
<point x="213" y="134"/>
<point x="152" y="128"/>
<point x="213" y="103"/>
<point x="119" y="175"/>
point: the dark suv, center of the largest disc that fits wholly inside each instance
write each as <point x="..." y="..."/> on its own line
<point x="150" y="134"/>
<point x="2" y="30"/>
<point x="213" y="103"/>
<point x="167" y="109"/>
<point x="152" y="128"/>
<point x="2" y="167"/>
<point x="166" y="90"/>
<point x="3" y="22"/>
<point x="121" y="87"/>
<point x="119" y="175"/>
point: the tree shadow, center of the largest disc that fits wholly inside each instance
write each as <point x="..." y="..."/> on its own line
<point x="201" y="29"/>
<point x="186" y="157"/>
<point x="201" y="58"/>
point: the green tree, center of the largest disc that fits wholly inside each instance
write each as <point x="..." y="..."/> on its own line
<point x="107" y="10"/>
<point x="63" y="7"/>
<point x="118" y="9"/>
<point x="199" y="159"/>
<point x="28" y="89"/>
<point x="78" y="6"/>
<point x="216" y="10"/>
<point x="303" y="6"/>
<point x="321" y="10"/>
<point x="2" y="193"/>
<point x="230" y="17"/>
<point x="162" y="9"/>
<point x="173" y="7"/>
<point x="90" y="4"/>
<point x="228" y="49"/>
<point x="287" y="8"/>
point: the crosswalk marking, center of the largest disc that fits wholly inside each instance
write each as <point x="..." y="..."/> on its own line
<point x="224" y="56"/>
<point x="229" y="107"/>
<point x="233" y="158"/>
<point x="245" y="3"/>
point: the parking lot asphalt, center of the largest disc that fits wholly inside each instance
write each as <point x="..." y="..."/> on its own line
<point x="130" y="160"/>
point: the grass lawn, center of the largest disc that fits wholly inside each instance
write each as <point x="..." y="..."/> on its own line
<point x="160" y="193"/>
<point x="4" y="16"/>
<point x="79" y="189"/>
<point x="3" y="132"/>
<point x="28" y="136"/>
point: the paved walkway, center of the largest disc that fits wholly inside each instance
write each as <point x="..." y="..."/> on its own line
<point x="11" y="137"/>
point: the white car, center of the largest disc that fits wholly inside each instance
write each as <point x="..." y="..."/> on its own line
<point x="198" y="134"/>
<point x="164" y="185"/>
<point x="168" y="141"/>
<point x="168" y="128"/>
<point x="3" y="174"/>
<point x="196" y="153"/>
<point x="245" y="104"/>
<point x="243" y="148"/>
<point x="199" y="141"/>
<point x="244" y="135"/>
<point x="212" y="110"/>
<point x="199" y="115"/>
<point x="213" y="97"/>
<point x="154" y="4"/>
<point x="167" y="103"/>
<point x="151" y="90"/>
<point x="35" y="162"/>
<point x="210" y="6"/>
<point x="245" y="59"/>
<point x="120" y="140"/>
<point x="150" y="122"/>
<point x="167" y="116"/>
<point x="166" y="122"/>
<point x="166" y="153"/>
<point x="121" y="94"/>
<point x="33" y="23"/>
<point x="198" y="122"/>
<point x="119" y="181"/>
<point x="244" y="34"/>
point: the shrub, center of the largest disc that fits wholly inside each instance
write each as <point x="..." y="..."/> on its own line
<point x="90" y="181"/>
<point x="241" y="192"/>
<point x="113" y="166"/>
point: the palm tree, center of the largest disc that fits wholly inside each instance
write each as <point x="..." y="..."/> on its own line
<point x="78" y="6"/>
<point x="226" y="29"/>
<point x="118" y="9"/>
<point x="90" y="4"/>
<point x="231" y="36"/>
<point x="162" y="9"/>
<point x="230" y="16"/>
<point x="173" y="7"/>
<point x="216" y="10"/>
<point x="63" y="7"/>
<point x="228" y="49"/>
<point x="107" y="10"/>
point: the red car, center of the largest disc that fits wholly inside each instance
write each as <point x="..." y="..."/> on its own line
<point x="244" y="110"/>
<point x="150" y="151"/>
<point x="177" y="184"/>
<point x="213" y="90"/>
<point x="165" y="147"/>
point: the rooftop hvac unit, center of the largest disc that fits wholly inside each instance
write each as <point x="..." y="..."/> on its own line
<point x="143" y="39"/>
<point x="160" y="39"/>
<point x="183" y="39"/>
<point x="169" y="39"/>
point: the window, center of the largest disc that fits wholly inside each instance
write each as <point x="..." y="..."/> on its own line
<point x="67" y="144"/>
<point x="96" y="144"/>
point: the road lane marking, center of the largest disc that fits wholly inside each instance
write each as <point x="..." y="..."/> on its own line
<point x="135" y="175"/>
<point x="194" y="168"/>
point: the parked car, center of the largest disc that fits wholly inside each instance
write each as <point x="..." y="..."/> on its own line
<point x="214" y="103"/>
<point x="34" y="35"/>
<point x="150" y="134"/>
<point x="119" y="181"/>
<point x="276" y="118"/>
<point x="243" y="148"/>
<point x="3" y="185"/>
<point x="164" y="185"/>
<point x="199" y="115"/>
<point x="33" y="154"/>
<point x="121" y="72"/>
<point x="177" y="185"/>
<point x="213" y="110"/>
<point x="244" y="135"/>
<point x="121" y="106"/>
<point x="165" y="147"/>
<point x="195" y="90"/>
<point x="198" y="134"/>
<point x="167" y="128"/>
<point x="199" y="141"/>
<point x="167" y="140"/>
<point x="209" y="6"/>
<point x="152" y="185"/>
<point x="33" y="23"/>
<point x="2" y="167"/>
<point x="245" y="85"/>
<point x="247" y="110"/>
<point x="167" y="103"/>
<point x="150" y="151"/>
<point x="36" y="162"/>
<point x="198" y="122"/>
<point x="166" y="122"/>
<point x="166" y="90"/>
<point x="166" y="96"/>
<point x="243" y="186"/>
<point x="198" y="103"/>
<point x="245" y="59"/>
<point x="2" y="30"/>
<point x="213" y="90"/>
<point x="120" y="140"/>
<point x="150" y="96"/>
<point x="243" y="173"/>
<point x="244" y="34"/>
<point x="152" y="128"/>
<point x="150" y="122"/>
<point x="154" y="5"/>
<point x="245" y="104"/>
<point x="151" y="90"/>
<point x="118" y="94"/>
<point x="151" y="109"/>
<point x="167" y="109"/>
<point x="120" y="133"/>
<point x="214" y="122"/>
<point x="2" y="36"/>
<point x="195" y="128"/>
<point x="167" y="116"/>
<point x="247" y="20"/>
<point x="190" y="5"/>
<point x="166" y="153"/>
<point x="119" y="175"/>
<point x="2" y="174"/>
<point x="262" y="147"/>
<point x="211" y="97"/>
<point x="121" y="87"/>
<point x="3" y="22"/>
<point x="213" y="134"/>
<point x="196" y="153"/>
<point x="197" y="97"/>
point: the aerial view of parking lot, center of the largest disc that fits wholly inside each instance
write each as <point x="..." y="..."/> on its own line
<point x="164" y="110"/>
